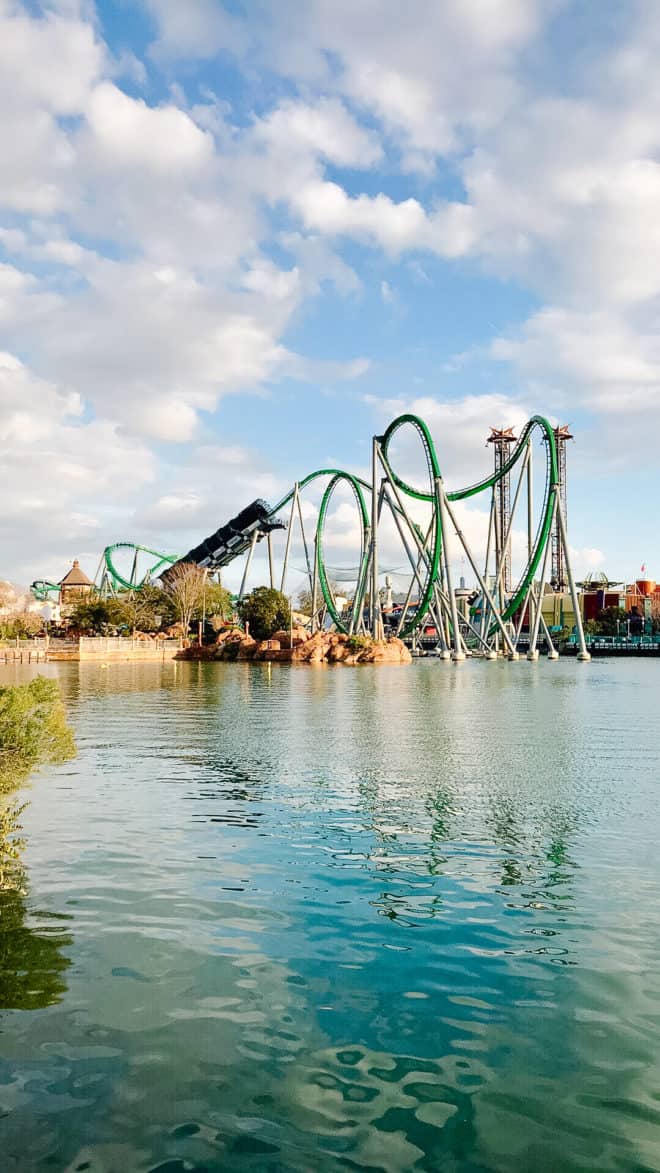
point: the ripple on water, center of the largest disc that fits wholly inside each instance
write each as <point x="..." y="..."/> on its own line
<point x="339" y="920"/>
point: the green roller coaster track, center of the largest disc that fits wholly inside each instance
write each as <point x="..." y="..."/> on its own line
<point x="431" y="496"/>
<point x="44" y="590"/>
<point x="117" y="581"/>
<point x="428" y="552"/>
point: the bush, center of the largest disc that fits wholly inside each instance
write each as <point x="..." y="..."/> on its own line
<point x="266" y="611"/>
<point x="33" y="728"/>
<point x="358" y="643"/>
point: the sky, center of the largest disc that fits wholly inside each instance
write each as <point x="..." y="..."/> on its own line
<point x="237" y="238"/>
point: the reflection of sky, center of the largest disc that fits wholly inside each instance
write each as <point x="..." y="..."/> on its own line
<point x="401" y="905"/>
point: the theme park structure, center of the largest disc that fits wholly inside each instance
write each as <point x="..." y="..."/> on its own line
<point x="418" y="515"/>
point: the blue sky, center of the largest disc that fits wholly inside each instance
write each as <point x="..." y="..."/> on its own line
<point x="235" y="238"/>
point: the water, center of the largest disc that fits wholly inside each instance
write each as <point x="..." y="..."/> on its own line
<point x="384" y="919"/>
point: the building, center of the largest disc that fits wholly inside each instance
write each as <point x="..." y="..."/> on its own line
<point x="640" y="599"/>
<point x="74" y="586"/>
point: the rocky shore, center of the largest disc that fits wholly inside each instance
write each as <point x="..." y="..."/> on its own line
<point x="299" y="647"/>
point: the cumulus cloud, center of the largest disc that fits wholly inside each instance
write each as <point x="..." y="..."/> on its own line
<point x="600" y="357"/>
<point x="159" y="253"/>
<point x="59" y="473"/>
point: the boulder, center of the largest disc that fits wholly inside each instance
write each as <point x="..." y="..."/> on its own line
<point x="247" y="647"/>
<point x="337" y="653"/>
<point x="267" y="648"/>
<point x="228" y="633"/>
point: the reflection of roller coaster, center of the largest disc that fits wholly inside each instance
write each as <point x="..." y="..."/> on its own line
<point x="424" y="522"/>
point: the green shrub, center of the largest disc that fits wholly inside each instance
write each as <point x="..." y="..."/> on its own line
<point x="33" y="729"/>
<point x="266" y="610"/>
<point x="358" y="643"/>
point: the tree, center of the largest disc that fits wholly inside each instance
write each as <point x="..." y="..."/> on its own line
<point x="20" y="625"/>
<point x="185" y="585"/>
<point x="266" y="611"/>
<point x="612" y="621"/>
<point x="33" y="727"/>
<point x="217" y="600"/>
<point x="304" y="599"/>
<point x="97" y="615"/>
<point x="147" y="609"/>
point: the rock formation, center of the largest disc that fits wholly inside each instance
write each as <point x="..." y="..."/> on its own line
<point x="299" y="647"/>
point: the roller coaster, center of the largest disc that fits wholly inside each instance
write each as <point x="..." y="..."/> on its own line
<point x="426" y="524"/>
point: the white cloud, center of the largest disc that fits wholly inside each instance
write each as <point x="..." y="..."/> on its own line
<point x="382" y="221"/>
<point x="606" y="362"/>
<point x="198" y="28"/>
<point x="59" y="472"/>
<point x="47" y="68"/>
<point x="128" y="132"/>
<point x="323" y="128"/>
<point x="459" y="427"/>
<point x="144" y="275"/>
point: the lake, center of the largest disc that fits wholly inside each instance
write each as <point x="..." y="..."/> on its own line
<point x="277" y="918"/>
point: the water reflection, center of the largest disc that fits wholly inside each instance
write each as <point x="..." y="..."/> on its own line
<point x="338" y="919"/>
<point x="32" y="963"/>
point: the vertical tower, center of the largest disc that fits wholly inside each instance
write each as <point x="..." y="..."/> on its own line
<point x="558" y="577"/>
<point x="502" y="439"/>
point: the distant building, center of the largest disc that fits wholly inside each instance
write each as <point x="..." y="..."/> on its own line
<point x="641" y="599"/>
<point x="74" y="586"/>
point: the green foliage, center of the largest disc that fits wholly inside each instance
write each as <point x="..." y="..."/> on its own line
<point x="217" y="601"/>
<point x="358" y="643"/>
<point x="607" y="620"/>
<point x="266" y="610"/>
<point x="32" y="962"/>
<point x="33" y="728"/>
<point x="12" y="875"/>
<point x="98" y="615"/>
<point x="148" y="609"/>
<point x="20" y="626"/>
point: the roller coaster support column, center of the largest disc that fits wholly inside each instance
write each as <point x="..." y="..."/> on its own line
<point x="530" y="527"/>
<point x="271" y="569"/>
<point x="513" y="654"/>
<point x="376" y="617"/>
<point x="532" y="653"/>
<point x="289" y="533"/>
<point x="134" y="568"/>
<point x="248" y="561"/>
<point x="315" y="586"/>
<point x="458" y="653"/>
<point x="583" y="654"/>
